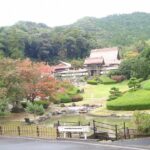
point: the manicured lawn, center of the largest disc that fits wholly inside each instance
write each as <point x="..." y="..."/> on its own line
<point x="132" y="100"/>
<point x="101" y="90"/>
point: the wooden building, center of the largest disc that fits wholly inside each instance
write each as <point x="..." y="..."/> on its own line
<point x="102" y="60"/>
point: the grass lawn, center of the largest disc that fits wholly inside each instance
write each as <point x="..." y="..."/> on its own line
<point x="146" y="85"/>
<point x="102" y="90"/>
<point x="132" y="100"/>
<point x="84" y="119"/>
<point x="97" y="94"/>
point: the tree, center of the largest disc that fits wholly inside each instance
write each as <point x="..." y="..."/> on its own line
<point x="114" y="93"/>
<point x="140" y="68"/>
<point x="34" y="84"/>
<point x="134" y="84"/>
<point x="125" y="67"/>
<point x="11" y="83"/>
<point x="76" y="64"/>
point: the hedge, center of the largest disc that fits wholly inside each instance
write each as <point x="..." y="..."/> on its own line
<point x="132" y="100"/>
<point x="77" y="98"/>
<point x="106" y="80"/>
<point x="65" y="98"/>
<point x="129" y="107"/>
<point x="93" y="82"/>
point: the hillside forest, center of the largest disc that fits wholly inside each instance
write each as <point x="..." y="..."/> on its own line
<point x="130" y="32"/>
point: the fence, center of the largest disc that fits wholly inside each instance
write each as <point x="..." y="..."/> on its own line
<point x="109" y="131"/>
<point x="28" y="131"/>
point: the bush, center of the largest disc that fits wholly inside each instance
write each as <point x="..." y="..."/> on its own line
<point x="142" y="122"/>
<point x="134" y="84"/>
<point x="35" y="109"/>
<point x="114" y="73"/>
<point x="73" y="91"/>
<point x="114" y="93"/>
<point x="65" y="98"/>
<point x="106" y="80"/>
<point x="77" y="98"/>
<point x="45" y="104"/>
<point x="118" y="78"/>
<point x="92" y="82"/>
<point x="128" y="107"/>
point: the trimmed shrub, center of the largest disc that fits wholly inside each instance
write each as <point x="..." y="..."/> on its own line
<point x="114" y="93"/>
<point x="73" y="91"/>
<point x="132" y="100"/>
<point x="106" y="80"/>
<point x="129" y="107"/>
<point x="45" y="104"/>
<point x="65" y="98"/>
<point x="118" y="78"/>
<point x="35" y="109"/>
<point x="92" y="82"/>
<point x="77" y="98"/>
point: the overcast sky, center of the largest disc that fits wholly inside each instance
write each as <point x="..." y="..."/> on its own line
<point x="62" y="12"/>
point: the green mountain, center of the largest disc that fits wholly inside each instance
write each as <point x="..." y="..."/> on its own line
<point x="38" y="41"/>
<point x="117" y="29"/>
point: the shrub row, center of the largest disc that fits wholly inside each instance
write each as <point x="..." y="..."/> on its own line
<point x="118" y="78"/>
<point x="106" y="80"/>
<point x="92" y="82"/>
<point x="128" y="107"/>
<point x="67" y="98"/>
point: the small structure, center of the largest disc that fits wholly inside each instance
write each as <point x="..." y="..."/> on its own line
<point x="64" y="71"/>
<point x="62" y="66"/>
<point x="102" y="60"/>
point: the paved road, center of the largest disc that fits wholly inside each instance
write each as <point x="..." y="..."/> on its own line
<point x="32" y="144"/>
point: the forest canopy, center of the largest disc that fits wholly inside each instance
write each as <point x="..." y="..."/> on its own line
<point x="40" y="42"/>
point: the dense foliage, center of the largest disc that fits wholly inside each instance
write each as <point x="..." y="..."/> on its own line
<point x="22" y="81"/>
<point x="138" y="66"/>
<point x="142" y="122"/>
<point x="40" y="42"/>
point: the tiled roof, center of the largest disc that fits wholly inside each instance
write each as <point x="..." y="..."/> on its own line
<point x="96" y="60"/>
<point x="109" y="55"/>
